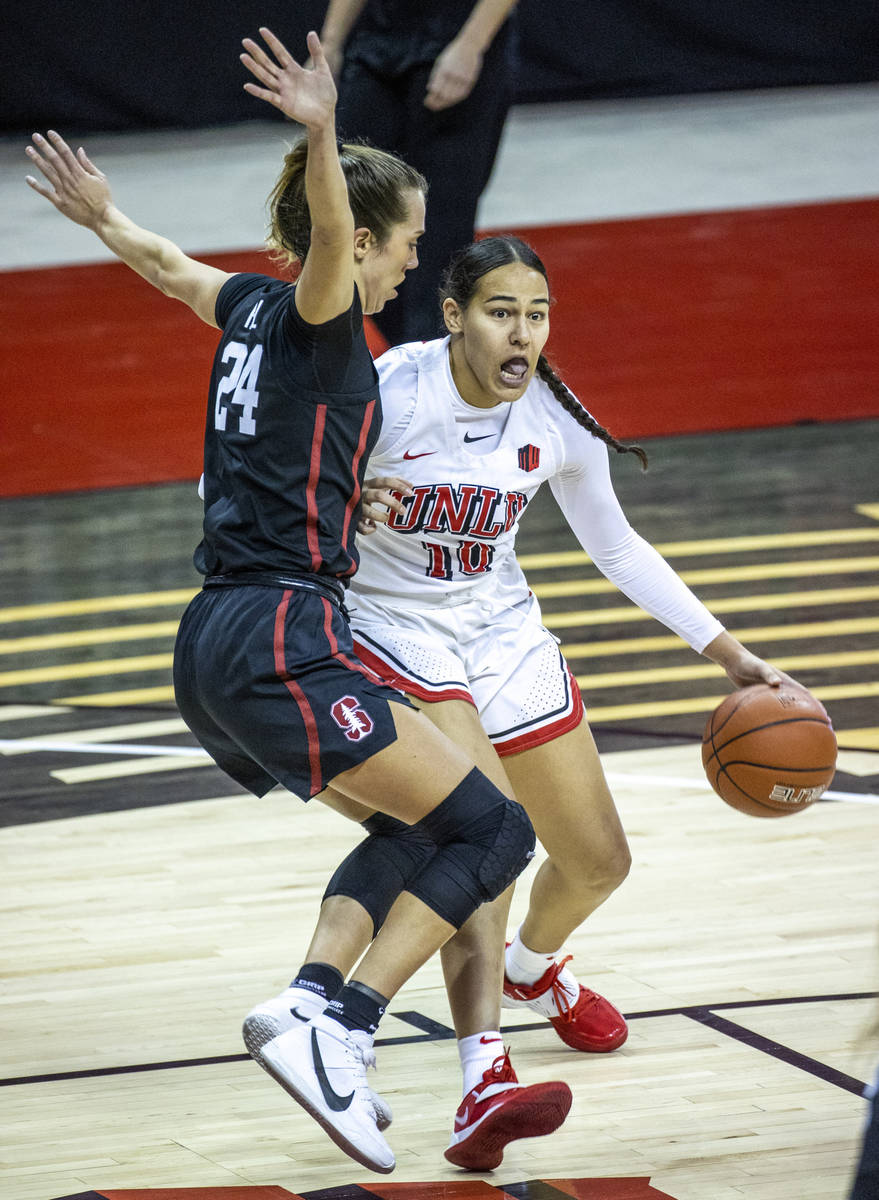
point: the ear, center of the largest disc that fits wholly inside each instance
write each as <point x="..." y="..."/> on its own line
<point x="452" y="315"/>
<point x="364" y="241"/>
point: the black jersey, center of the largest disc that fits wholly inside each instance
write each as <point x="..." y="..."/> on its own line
<point x="292" y="416"/>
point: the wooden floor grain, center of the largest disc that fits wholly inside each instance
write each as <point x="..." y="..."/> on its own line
<point x="140" y="938"/>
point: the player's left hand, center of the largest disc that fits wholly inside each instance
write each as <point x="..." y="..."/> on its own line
<point x="379" y="501"/>
<point x="743" y="667"/>
<point x="454" y="74"/>
<point x="304" y="95"/>
<point x="78" y="189"/>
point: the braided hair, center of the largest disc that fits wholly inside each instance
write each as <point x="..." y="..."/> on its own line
<point x="460" y="283"/>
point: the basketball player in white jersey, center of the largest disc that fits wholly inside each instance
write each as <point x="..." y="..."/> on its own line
<point x="472" y="425"/>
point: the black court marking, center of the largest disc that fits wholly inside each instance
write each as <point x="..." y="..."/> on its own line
<point x="703" y="1013"/>
<point x="792" y="1057"/>
<point x="533" y="1189"/>
<point x="348" y="1191"/>
<point x="426" y="1024"/>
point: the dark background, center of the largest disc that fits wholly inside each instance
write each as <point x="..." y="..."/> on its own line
<point x="103" y="65"/>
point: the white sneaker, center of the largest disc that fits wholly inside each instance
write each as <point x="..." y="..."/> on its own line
<point x="294" y="1007"/>
<point x="323" y="1067"/>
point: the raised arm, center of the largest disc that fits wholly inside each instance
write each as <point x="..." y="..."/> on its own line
<point x="81" y="192"/>
<point x="457" y="68"/>
<point x="326" y="284"/>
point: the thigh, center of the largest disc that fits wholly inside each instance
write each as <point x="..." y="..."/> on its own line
<point x="274" y="669"/>
<point x="459" y="722"/>
<point x="414" y="774"/>
<point x="519" y="680"/>
<point x="562" y="787"/>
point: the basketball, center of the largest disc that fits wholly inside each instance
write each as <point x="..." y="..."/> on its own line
<point x="769" y="752"/>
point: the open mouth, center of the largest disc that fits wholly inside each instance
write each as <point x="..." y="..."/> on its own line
<point x="514" y="371"/>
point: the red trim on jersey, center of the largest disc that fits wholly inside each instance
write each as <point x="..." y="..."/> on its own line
<point x="317" y="437"/>
<point x="328" y="627"/>
<point x="546" y="733"/>
<point x="355" y="463"/>
<point x="404" y="683"/>
<point x="345" y="659"/>
<point x="298" y="695"/>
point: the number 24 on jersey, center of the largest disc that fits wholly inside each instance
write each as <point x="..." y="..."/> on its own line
<point x="241" y="383"/>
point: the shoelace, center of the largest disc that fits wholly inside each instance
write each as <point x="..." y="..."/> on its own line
<point x="365" y="1048"/>
<point x="501" y="1070"/>
<point x="559" y="994"/>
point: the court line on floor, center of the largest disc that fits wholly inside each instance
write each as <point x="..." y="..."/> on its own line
<point x="757" y="1041"/>
<point x="434" y="1031"/>
<point x="197" y="756"/>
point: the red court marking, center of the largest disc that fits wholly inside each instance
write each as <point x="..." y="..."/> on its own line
<point x="215" y="1193"/>
<point x="664" y="325"/>
<point x="453" y="1189"/>
<point x="463" y="1189"/>
<point x="635" y="1188"/>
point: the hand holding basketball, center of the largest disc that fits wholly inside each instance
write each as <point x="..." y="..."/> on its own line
<point x="769" y="751"/>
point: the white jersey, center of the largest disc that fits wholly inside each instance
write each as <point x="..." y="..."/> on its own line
<point x="473" y="472"/>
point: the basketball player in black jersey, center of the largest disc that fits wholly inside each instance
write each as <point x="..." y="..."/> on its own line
<point x="264" y="670"/>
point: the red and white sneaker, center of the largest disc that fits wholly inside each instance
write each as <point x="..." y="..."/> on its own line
<point x="501" y="1110"/>
<point x="582" y="1019"/>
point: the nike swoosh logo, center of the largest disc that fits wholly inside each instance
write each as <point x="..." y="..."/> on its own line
<point x="481" y="438"/>
<point x="294" y="1012"/>
<point x="423" y="454"/>
<point x="334" y="1101"/>
<point x="484" y="1041"/>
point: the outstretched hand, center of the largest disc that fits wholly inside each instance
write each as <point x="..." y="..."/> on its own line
<point x="306" y="95"/>
<point x="77" y="188"/>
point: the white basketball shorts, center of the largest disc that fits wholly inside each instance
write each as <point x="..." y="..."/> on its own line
<point x="498" y="657"/>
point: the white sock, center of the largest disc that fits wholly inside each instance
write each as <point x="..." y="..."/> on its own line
<point x="526" y="966"/>
<point x="477" y="1053"/>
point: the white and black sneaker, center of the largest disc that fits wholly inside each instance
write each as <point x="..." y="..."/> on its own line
<point x="294" y="1007"/>
<point x="323" y="1067"/>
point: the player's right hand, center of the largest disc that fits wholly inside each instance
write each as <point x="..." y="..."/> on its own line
<point x="77" y="188"/>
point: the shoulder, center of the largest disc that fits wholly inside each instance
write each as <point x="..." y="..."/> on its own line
<point x="578" y="447"/>
<point x="400" y="368"/>
<point x="241" y="288"/>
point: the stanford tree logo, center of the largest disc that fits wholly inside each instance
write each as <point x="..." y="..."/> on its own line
<point x="353" y="720"/>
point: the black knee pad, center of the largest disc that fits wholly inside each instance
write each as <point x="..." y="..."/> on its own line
<point x="382" y="865"/>
<point x="485" y="840"/>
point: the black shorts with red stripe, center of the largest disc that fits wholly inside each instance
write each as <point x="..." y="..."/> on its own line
<point x="266" y="678"/>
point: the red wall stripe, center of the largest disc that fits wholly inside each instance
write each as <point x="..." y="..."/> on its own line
<point x="675" y="324"/>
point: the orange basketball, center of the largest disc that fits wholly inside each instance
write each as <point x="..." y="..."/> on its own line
<point x="769" y="751"/>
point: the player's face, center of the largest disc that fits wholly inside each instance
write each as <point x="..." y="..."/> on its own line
<point x="383" y="268"/>
<point x="498" y="338"/>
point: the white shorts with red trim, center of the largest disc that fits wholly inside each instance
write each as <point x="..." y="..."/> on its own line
<point x="497" y="657"/>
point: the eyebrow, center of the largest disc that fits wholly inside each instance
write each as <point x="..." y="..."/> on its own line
<point x="512" y="300"/>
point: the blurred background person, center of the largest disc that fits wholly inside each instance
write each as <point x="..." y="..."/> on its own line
<point x="433" y="82"/>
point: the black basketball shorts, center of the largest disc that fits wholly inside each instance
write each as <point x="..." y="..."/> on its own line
<point x="267" y="680"/>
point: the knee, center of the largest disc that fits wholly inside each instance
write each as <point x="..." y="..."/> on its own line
<point x="618" y="865"/>
<point x="381" y="866"/>
<point x="596" y="868"/>
<point x="484" y="843"/>
<point x="505" y="838"/>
